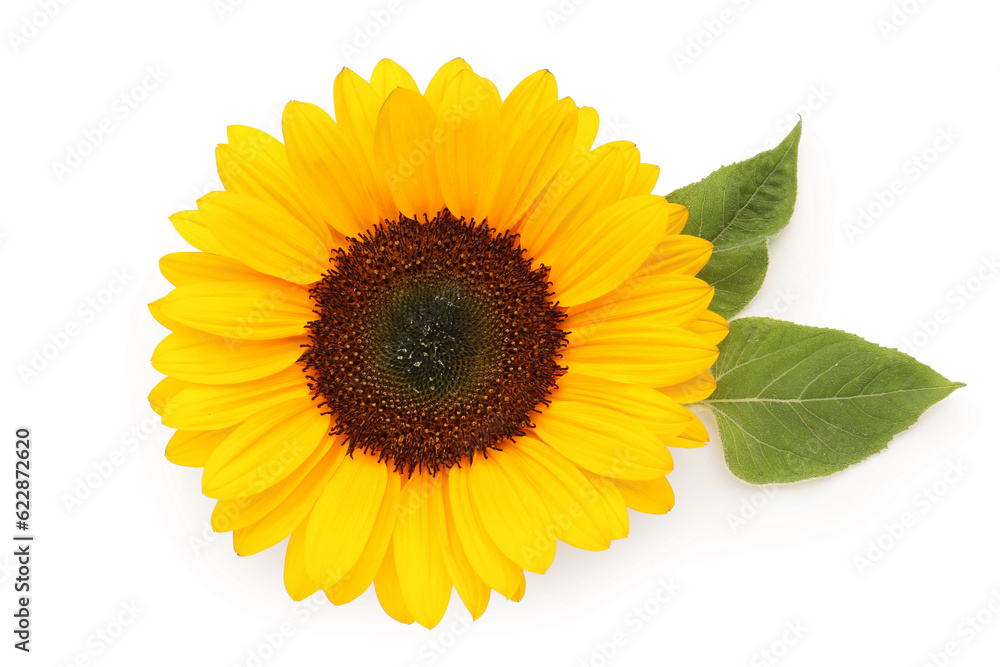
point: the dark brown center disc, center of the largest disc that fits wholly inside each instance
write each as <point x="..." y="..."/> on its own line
<point x="434" y="340"/>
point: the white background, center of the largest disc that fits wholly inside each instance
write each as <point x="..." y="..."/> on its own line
<point x="748" y="563"/>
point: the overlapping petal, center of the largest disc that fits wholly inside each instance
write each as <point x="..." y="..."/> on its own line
<point x="407" y="141"/>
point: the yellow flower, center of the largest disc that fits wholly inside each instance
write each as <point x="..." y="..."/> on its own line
<point x="431" y="338"/>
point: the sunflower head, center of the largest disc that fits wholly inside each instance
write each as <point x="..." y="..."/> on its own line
<point x="429" y="339"/>
<point x="435" y="340"/>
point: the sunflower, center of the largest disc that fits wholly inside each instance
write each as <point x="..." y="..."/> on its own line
<point x="429" y="339"/>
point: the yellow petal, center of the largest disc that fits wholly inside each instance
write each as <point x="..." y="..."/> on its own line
<point x="473" y="591"/>
<point x="241" y="511"/>
<point x="512" y="511"/>
<point x="161" y="395"/>
<point x="678" y="253"/>
<point x="297" y="581"/>
<point x="265" y="237"/>
<point x="344" y="516"/>
<point x="324" y="158"/>
<point x="631" y="157"/>
<point x="533" y="161"/>
<point x="189" y="268"/>
<point x="191" y="226"/>
<point x="693" y="390"/>
<point x="586" y="129"/>
<point x="642" y="180"/>
<point x="695" y="435"/>
<point x="406" y="141"/>
<point x="711" y="326"/>
<point x="193" y="448"/>
<point x="564" y="491"/>
<point x="356" y="104"/>
<point x="388" y="592"/>
<point x="420" y="522"/>
<point x="469" y="157"/>
<point x="571" y="168"/>
<point x="603" y="440"/>
<point x="489" y="563"/>
<point x="286" y="517"/>
<point x="196" y="356"/>
<point x="576" y="194"/>
<point x="265" y="449"/>
<point x="435" y="89"/>
<point x="387" y="76"/>
<point x="604" y="506"/>
<point x="214" y="406"/>
<point x="254" y="163"/>
<point x="525" y="103"/>
<point x="655" y="411"/>
<point x="258" y="310"/>
<point x="519" y="593"/>
<point x="640" y="353"/>
<point x="614" y="504"/>
<point x="678" y="219"/>
<point x="652" y="496"/>
<point x="362" y="573"/>
<point x="606" y="249"/>
<point x="156" y="310"/>
<point x="668" y="300"/>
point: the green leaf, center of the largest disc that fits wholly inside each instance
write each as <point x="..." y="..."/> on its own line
<point x="739" y="208"/>
<point x="796" y="402"/>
